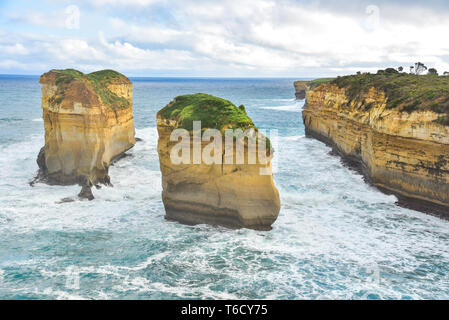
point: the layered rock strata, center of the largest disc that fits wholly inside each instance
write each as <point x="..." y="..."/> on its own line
<point x="88" y="123"/>
<point x="300" y="89"/>
<point x="220" y="193"/>
<point x="402" y="150"/>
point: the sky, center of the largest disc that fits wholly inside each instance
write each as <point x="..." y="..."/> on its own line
<point x="227" y="38"/>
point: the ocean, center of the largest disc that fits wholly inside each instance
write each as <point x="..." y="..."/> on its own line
<point x="336" y="236"/>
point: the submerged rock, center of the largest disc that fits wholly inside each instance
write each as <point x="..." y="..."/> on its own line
<point x="220" y="193"/>
<point x="66" y="200"/>
<point x="88" y="123"/>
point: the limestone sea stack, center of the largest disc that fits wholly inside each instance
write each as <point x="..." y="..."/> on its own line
<point x="88" y="123"/>
<point x="221" y="193"/>
<point x="395" y="126"/>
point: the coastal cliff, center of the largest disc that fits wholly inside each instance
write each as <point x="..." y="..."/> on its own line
<point x="88" y="123"/>
<point x="220" y="193"/>
<point x="395" y="127"/>
<point x="300" y="89"/>
<point x="304" y="86"/>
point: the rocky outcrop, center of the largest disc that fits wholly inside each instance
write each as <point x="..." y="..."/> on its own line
<point x="401" y="149"/>
<point x="226" y="194"/>
<point x="88" y="122"/>
<point x="300" y="89"/>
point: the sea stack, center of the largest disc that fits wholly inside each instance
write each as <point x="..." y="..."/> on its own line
<point x="395" y="126"/>
<point x="88" y="123"/>
<point x="227" y="192"/>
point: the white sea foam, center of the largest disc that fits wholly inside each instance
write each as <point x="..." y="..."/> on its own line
<point x="332" y="228"/>
<point x="332" y="231"/>
<point x="292" y="138"/>
<point x="293" y="106"/>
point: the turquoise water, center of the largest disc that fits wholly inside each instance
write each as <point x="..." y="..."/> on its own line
<point x="335" y="238"/>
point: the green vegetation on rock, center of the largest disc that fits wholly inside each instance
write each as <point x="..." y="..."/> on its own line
<point x="404" y="92"/>
<point x="213" y="112"/>
<point x="317" y="82"/>
<point x="97" y="80"/>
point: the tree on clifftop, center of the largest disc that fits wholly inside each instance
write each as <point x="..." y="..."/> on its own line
<point x="432" y="71"/>
<point x="420" y="68"/>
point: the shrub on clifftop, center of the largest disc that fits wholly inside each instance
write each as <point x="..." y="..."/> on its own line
<point x="405" y="92"/>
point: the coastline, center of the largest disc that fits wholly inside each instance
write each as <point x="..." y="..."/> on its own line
<point x="356" y="164"/>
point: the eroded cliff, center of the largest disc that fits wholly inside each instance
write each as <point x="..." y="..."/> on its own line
<point x="220" y="193"/>
<point x="88" y="122"/>
<point x="394" y="126"/>
<point x="300" y="89"/>
<point x="304" y="86"/>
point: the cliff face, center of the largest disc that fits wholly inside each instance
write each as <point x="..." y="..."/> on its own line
<point x="404" y="152"/>
<point x="88" y="122"/>
<point x="231" y="195"/>
<point x="300" y="89"/>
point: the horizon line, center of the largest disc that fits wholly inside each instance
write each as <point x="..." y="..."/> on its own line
<point x="189" y="77"/>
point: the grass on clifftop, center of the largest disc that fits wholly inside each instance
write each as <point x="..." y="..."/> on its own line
<point x="317" y="82"/>
<point x="98" y="81"/>
<point x="213" y="112"/>
<point x="404" y="92"/>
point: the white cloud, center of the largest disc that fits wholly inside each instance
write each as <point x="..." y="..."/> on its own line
<point x="142" y="3"/>
<point x="15" y="49"/>
<point x="241" y="37"/>
<point x="147" y="34"/>
<point x="11" y="64"/>
<point x="55" y="19"/>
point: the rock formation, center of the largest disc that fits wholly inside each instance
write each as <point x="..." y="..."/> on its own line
<point x="394" y="126"/>
<point x="300" y="89"/>
<point x="88" y="122"/>
<point x="226" y="193"/>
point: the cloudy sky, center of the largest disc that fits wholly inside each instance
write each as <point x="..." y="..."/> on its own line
<point x="227" y="38"/>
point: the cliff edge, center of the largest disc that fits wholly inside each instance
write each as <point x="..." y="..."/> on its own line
<point x="303" y="86"/>
<point x="395" y="126"/>
<point x="223" y="192"/>
<point x="88" y="122"/>
<point x="300" y="89"/>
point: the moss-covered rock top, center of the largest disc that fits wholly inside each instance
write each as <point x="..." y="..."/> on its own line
<point x="213" y="112"/>
<point x="404" y="92"/>
<point x="98" y="81"/>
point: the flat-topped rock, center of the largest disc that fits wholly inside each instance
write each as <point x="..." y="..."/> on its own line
<point x="223" y="193"/>
<point x="88" y="122"/>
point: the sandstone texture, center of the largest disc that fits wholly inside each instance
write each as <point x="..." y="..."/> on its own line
<point x="400" y="138"/>
<point x="230" y="195"/>
<point x="300" y="89"/>
<point x="88" y="122"/>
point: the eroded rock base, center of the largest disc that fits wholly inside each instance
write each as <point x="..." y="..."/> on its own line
<point x="193" y="214"/>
